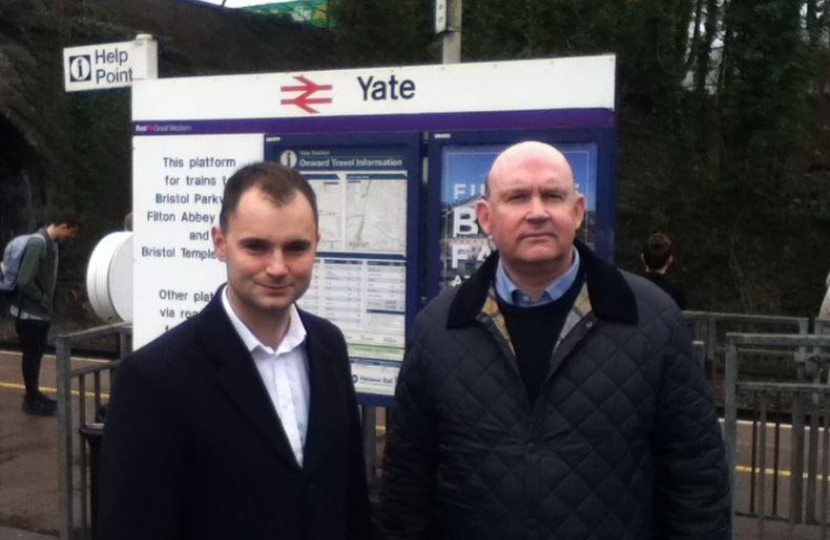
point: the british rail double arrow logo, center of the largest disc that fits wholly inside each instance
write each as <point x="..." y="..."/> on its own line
<point x="307" y="89"/>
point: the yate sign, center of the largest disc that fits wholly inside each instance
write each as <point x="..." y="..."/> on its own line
<point x="111" y="65"/>
<point x="527" y="85"/>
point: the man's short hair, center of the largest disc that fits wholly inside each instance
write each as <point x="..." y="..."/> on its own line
<point x="276" y="181"/>
<point x="656" y="251"/>
<point x="65" y="216"/>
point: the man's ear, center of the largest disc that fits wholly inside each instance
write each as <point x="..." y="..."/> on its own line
<point x="219" y="243"/>
<point x="483" y="214"/>
<point x="579" y="210"/>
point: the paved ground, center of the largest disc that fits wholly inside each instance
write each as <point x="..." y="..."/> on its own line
<point x="28" y="454"/>
<point x="19" y="534"/>
<point x="29" y="466"/>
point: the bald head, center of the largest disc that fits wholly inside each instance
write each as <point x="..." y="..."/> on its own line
<point x="528" y="153"/>
<point x="532" y="212"/>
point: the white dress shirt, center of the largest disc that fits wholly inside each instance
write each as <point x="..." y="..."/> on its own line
<point x="284" y="372"/>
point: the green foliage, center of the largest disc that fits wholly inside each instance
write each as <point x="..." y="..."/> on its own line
<point x="722" y="115"/>
<point x="762" y="119"/>
<point x="382" y="32"/>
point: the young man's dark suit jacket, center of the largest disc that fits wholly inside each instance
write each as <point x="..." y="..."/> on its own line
<point x="193" y="448"/>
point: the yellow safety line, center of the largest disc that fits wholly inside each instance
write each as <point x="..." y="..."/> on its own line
<point x="771" y="472"/>
<point x="768" y="472"/>
<point x="15" y="386"/>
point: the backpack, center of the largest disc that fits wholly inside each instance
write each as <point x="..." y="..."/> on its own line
<point x="10" y="267"/>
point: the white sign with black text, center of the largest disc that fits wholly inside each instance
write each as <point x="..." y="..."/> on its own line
<point x="110" y="65"/>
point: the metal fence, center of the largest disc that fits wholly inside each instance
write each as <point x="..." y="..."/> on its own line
<point x="74" y="483"/>
<point x="710" y="329"/>
<point x="787" y="478"/>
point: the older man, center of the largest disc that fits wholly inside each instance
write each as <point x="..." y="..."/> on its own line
<point x="551" y="396"/>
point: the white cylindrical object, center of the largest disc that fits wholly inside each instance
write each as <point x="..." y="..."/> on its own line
<point x="109" y="277"/>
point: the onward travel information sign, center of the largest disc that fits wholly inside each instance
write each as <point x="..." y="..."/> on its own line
<point x="359" y="137"/>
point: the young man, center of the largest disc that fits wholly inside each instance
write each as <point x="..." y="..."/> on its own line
<point x="657" y="258"/>
<point x="33" y="304"/>
<point x="242" y="421"/>
<point x="551" y="396"/>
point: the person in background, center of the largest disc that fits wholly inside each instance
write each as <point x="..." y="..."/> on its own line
<point x="33" y="304"/>
<point x="824" y="310"/>
<point x="242" y="421"/>
<point x="657" y="258"/>
<point x="551" y="395"/>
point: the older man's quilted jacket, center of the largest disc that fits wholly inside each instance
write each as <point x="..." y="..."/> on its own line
<point x="622" y="443"/>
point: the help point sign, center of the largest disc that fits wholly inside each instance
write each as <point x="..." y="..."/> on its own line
<point x="111" y="65"/>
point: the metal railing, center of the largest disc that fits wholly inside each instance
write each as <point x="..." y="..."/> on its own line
<point x="807" y="406"/>
<point x="70" y="443"/>
<point x="711" y="329"/>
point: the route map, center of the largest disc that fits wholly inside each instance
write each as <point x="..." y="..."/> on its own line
<point x="359" y="277"/>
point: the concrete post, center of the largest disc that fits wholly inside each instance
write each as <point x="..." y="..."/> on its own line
<point x="451" y="40"/>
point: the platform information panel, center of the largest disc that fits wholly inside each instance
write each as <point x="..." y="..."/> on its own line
<point x="366" y="188"/>
<point x="177" y="196"/>
<point x="364" y="138"/>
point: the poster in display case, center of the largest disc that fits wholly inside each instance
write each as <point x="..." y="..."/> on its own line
<point x="365" y="277"/>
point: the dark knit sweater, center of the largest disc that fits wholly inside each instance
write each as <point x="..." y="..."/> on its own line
<point x="533" y="333"/>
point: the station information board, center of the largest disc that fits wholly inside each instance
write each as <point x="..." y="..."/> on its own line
<point x="364" y="276"/>
<point x="375" y="144"/>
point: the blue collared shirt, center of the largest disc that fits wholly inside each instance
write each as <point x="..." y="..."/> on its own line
<point x="508" y="291"/>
